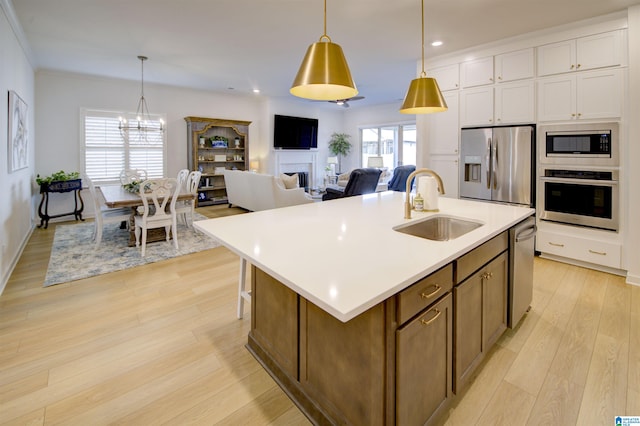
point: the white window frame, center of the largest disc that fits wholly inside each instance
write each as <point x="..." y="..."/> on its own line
<point x="398" y="151"/>
<point x="110" y="174"/>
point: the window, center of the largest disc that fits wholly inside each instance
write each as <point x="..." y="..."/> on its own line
<point x="395" y="144"/>
<point x="107" y="152"/>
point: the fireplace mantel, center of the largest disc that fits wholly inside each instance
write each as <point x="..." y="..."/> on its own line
<point x="290" y="161"/>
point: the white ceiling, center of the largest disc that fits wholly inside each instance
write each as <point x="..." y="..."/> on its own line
<point x="240" y="45"/>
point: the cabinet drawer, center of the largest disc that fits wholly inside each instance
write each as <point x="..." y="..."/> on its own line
<point x="423" y="293"/>
<point x="472" y="261"/>
<point x="583" y="249"/>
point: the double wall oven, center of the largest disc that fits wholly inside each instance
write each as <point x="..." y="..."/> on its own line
<point x="579" y="174"/>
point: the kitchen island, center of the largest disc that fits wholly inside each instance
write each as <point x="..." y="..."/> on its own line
<point x="358" y="322"/>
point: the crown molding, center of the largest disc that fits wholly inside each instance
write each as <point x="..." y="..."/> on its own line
<point x="9" y="12"/>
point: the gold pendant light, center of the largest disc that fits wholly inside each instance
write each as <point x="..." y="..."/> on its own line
<point x="423" y="96"/>
<point x="324" y="74"/>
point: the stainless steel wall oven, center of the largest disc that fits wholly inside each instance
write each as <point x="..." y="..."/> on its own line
<point x="579" y="174"/>
<point x="580" y="197"/>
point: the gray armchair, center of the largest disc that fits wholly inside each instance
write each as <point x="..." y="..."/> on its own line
<point x="361" y="181"/>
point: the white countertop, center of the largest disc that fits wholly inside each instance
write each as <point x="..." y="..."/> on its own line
<point x="343" y="255"/>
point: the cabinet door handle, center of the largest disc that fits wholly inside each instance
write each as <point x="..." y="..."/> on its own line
<point x="430" y="295"/>
<point x="435" y="317"/>
<point x="556" y="244"/>
<point x="601" y="253"/>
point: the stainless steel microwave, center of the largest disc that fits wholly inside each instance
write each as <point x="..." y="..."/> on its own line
<point x="584" y="144"/>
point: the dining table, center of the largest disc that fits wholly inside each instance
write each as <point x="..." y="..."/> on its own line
<point x="116" y="196"/>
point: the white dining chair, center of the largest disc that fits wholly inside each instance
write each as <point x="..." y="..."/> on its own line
<point x="187" y="207"/>
<point x="182" y="178"/>
<point x="105" y="215"/>
<point x="130" y="175"/>
<point x="158" y="210"/>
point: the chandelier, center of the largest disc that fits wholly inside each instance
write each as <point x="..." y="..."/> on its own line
<point x="143" y="124"/>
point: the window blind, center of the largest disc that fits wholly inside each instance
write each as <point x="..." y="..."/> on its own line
<point x="107" y="152"/>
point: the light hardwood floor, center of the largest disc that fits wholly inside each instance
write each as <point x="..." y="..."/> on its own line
<point x="160" y="344"/>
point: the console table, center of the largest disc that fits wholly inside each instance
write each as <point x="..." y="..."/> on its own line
<point x="74" y="185"/>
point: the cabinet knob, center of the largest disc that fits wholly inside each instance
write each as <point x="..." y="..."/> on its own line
<point x="572" y="66"/>
<point x="579" y="114"/>
<point x="578" y="66"/>
<point x="491" y="79"/>
<point x="499" y="78"/>
<point x="435" y="317"/>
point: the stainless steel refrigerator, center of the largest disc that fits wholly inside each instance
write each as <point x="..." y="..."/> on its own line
<point x="498" y="164"/>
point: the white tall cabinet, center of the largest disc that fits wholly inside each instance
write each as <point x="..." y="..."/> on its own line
<point x="443" y="131"/>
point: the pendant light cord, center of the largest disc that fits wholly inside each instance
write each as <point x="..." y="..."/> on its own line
<point x="324" y="34"/>
<point x="422" y="74"/>
<point x="142" y="59"/>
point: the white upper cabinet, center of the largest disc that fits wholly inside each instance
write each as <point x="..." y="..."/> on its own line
<point x="477" y="72"/>
<point x="516" y="65"/>
<point x="515" y="103"/>
<point x="443" y="128"/>
<point x="476" y="106"/>
<point x="506" y="103"/>
<point x="599" y="51"/>
<point x="596" y="51"/>
<point x="448" y="77"/>
<point x="581" y="96"/>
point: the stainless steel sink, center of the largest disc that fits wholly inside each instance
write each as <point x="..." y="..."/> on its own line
<point x="439" y="228"/>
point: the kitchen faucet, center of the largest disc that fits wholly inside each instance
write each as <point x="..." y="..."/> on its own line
<point x="407" y="203"/>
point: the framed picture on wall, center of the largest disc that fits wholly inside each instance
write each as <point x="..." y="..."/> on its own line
<point x="17" y="140"/>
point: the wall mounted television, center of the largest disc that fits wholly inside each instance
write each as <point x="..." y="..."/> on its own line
<point x="295" y="132"/>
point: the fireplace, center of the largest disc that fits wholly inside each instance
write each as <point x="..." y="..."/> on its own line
<point x="301" y="162"/>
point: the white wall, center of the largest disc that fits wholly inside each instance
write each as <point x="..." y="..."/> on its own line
<point x="330" y="120"/>
<point x="16" y="73"/>
<point x="61" y="96"/>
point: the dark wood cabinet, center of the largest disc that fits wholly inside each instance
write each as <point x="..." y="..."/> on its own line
<point x="480" y="317"/>
<point x="214" y="145"/>
<point x="423" y="364"/>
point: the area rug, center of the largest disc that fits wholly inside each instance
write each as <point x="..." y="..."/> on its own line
<point x="74" y="256"/>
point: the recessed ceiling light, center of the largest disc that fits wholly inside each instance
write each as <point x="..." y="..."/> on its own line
<point x="436" y="43"/>
<point x="256" y="90"/>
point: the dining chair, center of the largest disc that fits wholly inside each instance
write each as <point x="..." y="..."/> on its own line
<point x="158" y="209"/>
<point x="188" y="206"/>
<point x="131" y="175"/>
<point x="182" y="177"/>
<point x="105" y="215"/>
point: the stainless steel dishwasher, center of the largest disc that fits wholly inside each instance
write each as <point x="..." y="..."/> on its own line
<point x="521" y="242"/>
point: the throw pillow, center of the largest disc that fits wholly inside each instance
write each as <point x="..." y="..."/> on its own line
<point x="290" y="182"/>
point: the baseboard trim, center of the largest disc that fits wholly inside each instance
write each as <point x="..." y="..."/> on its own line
<point x="16" y="258"/>
<point x="588" y="265"/>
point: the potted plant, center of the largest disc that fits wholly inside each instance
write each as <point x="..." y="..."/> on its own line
<point x="339" y="145"/>
<point x="72" y="180"/>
